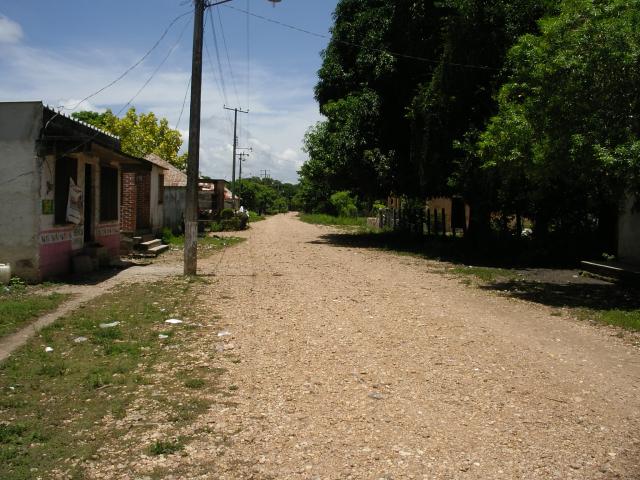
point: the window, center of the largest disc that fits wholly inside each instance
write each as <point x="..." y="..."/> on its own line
<point x="66" y="170"/>
<point x="160" y="189"/>
<point x="108" y="194"/>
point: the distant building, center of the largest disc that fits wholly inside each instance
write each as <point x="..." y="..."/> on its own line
<point x="173" y="194"/>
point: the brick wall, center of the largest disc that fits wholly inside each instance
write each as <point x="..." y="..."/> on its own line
<point x="143" y="200"/>
<point x="128" y="204"/>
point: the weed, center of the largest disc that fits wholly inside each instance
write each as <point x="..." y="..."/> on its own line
<point x="194" y="383"/>
<point x="485" y="274"/>
<point x="165" y="447"/>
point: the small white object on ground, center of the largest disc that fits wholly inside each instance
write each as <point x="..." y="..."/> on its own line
<point x="109" y="325"/>
<point x="376" y="395"/>
<point x="80" y="339"/>
<point x="224" y="333"/>
<point x="163" y="336"/>
<point x="48" y="349"/>
<point x="173" y="321"/>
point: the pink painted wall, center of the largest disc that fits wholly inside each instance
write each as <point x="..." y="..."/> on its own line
<point x="55" y="256"/>
<point x="111" y="243"/>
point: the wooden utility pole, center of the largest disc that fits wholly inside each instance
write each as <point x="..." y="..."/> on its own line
<point x="235" y="146"/>
<point x="193" y="160"/>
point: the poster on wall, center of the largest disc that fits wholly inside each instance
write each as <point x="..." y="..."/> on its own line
<point x="75" y="204"/>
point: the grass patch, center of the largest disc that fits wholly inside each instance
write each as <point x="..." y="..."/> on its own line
<point x="627" y="319"/>
<point x="49" y="401"/>
<point x="206" y="244"/>
<point x="18" y="309"/>
<point x="485" y="274"/>
<point x="165" y="447"/>
<point x="323" y="219"/>
<point x="194" y="383"/>
<point x="254" y="217"/>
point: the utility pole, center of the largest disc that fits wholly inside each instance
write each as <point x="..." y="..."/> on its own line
<point x="235" y="146"/>
<point x="193" y="160"/>
<point x="242" y="159"/>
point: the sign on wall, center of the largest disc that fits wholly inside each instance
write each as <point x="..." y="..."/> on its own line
<point x="47" y="207"/>
<point x="75" y="204"/>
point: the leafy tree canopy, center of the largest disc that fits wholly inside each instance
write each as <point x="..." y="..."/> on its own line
<point x="565" y="145"/>
<point x="140" y="134"/>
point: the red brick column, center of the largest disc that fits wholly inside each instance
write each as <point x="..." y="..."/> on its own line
<point x="128" y="203"/>
<point x="143" y="183"/>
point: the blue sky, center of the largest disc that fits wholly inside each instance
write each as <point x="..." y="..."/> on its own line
<point x="62" y="51"/>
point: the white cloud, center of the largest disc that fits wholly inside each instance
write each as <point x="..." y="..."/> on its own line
<point x="10" y="31"/>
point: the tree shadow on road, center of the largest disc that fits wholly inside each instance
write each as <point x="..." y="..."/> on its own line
<point x="555" y="287"/>
<point x="595" y="296"/>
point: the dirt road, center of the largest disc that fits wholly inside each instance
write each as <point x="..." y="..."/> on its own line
<point x="354" y="363"/>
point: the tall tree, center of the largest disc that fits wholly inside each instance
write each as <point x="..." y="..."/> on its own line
<point x="568" y="129"/>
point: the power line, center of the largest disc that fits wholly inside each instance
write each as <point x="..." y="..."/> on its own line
<point x="184" y="102"/>
<point x="144" y="85"/>
<point x="221" y="85"/>
<point x="358" y="45"/>
<point x="224" y="42"/>
<point x="217" y="49"/>
<point x="132" y="67"/>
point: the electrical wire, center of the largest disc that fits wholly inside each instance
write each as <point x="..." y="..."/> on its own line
<point x="358" y="45"/>
<point x="144" y="85"/>
<point x="248" y="85"/>
<point x="184" y="102"/>
<point x="217" y="49"/>
<point x="224" y="43"/>
<point x="132" y="67"/>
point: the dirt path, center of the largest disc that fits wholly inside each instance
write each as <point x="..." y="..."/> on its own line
<point x="352" y="363"/>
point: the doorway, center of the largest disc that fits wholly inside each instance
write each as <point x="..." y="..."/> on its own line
<point x="88" y="203"/>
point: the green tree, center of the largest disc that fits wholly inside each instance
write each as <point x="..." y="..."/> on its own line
<point x="140" y="134"/>
<point x="567" y="134"/>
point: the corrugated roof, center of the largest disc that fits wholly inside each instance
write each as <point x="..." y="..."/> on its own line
<point x="173" y="177"/>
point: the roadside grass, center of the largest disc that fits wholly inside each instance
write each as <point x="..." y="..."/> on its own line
<point x="485" y="274"/>
<point x="323" y="219"/>
<point x="206" y="244"/>
<point x="18" y="308"/>
<point x="626" y="319"/>
<point x="58" y="408"/>
<point x="254" y="217"/>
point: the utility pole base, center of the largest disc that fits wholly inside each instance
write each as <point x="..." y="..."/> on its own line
<point x="190" y="248"/>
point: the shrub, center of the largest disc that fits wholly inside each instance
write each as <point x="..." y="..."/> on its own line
<point x="226" y="214"/>
<point x="344" y="204"/>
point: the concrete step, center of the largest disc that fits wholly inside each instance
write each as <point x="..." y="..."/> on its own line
<point x="624" y="272"/>
<point x="157" y="250"/>
<point x="147" y="245"/>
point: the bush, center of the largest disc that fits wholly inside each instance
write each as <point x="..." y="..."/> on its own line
<point x="344" y="204"/>
<point x="226" y="214"/>
<point x="233" y="224"/>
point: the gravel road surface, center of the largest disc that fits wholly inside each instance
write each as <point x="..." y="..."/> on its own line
<point x="360" y="364"/>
